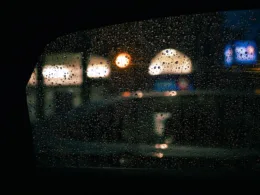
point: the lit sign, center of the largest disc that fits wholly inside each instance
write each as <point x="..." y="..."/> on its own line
<point x="170" y="61"/>
<point x="241" y="53"/>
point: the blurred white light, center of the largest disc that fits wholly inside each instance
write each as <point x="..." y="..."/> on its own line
<point x="155" y="69"/>
<point x="161" y="146"/>
<point x="55" y="72"/>
<point x="62" y="75"/>
<point x="169" y="52"/>
<point x="170" y="61"/>
<point x="158" y="154"/>
<point x="139" y="94"/>
<point x="98" y="67"/>
<point x="170" y="93"/>
<point x="98" y="71"/>
<point x="62" y="69"/>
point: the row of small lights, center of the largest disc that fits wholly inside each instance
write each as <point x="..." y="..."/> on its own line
<point x="140" y="94"/>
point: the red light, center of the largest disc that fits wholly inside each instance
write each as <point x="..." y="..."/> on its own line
<point x="126" y="94"/>
<point x="183" y="83"/>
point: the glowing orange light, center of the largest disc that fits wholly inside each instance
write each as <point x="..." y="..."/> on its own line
<point x="126" y="94"/>
<point x="257" y="91"/>
<point x="123" y="60"/>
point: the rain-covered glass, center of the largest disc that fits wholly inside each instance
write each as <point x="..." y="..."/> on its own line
<point x="172" y="92"/>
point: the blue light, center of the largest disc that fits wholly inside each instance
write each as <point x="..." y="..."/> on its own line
<point x="170" y="85"/>
<point x="240" y="53"/>
<point x="245" y="52"/>
<point x="165" y="85"/>
<point x="229" y="56"/>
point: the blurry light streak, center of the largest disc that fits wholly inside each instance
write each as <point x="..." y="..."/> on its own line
<point x="161" y="146"/>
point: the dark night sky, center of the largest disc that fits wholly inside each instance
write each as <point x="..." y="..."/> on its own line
<point x="242" y="18"/>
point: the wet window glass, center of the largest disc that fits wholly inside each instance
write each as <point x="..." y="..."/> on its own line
<point x="171" y="92"/>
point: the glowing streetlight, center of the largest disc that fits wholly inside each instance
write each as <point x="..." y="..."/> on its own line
<point x="123" y="60"/>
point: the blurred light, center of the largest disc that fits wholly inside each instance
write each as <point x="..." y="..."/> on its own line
<point x="165" y="85"/>
<point x="250" y="49"/>
<point x="62" y="69"/>
<point x="123" y="60"/>
<point x="228" y="52"/>
<point x="170" y="61"/>
<point x="126" y="94"/>
<point x="98" y="67"/>
<point x="55" y="72"/>
<point x="139" y="94"/>
<point x="159" y="121"/>
<point x="245" y="52"/>
<point x="257" y="69"/>
<point x="161" y="146"/>
<point x="33" y="78"/>
<point x="257" y="91"/>
<point x="170" y="93"/>
<point x="183" y="83"/>
<point x="155" y="69"/>
<point x="169" y="52"/>
<point x="98" y="71"/>
<point x="158" y="154"/>
<point x="242" y="52"/>
<point x="62" y="75"/>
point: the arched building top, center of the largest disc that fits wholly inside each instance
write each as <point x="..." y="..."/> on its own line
<point x="170" y="61"/>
